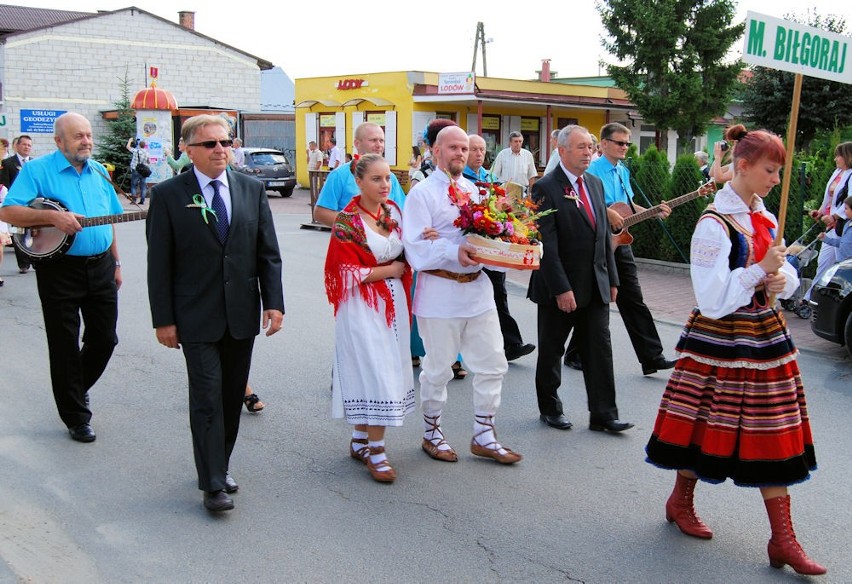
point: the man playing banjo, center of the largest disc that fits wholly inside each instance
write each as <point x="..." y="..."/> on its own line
<point x="85" y="280"/>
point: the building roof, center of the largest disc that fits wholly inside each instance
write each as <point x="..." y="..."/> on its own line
<point x="23" y="18"/>
<point x="16" y="20"/>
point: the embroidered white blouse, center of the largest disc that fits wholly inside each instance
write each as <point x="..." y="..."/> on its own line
<point x="719" y="291"/>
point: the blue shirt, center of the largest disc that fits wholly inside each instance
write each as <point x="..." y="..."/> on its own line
<point x="481" y="176"/>
<point x="88" y="193"/>
<point x="615" y="179"/>
<point x="340" y="187"/>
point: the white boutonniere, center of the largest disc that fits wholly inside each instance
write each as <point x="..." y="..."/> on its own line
<point x="572" y="196"/>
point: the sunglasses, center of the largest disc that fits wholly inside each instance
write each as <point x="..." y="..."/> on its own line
<point x="619" y="142"/>
<point x="211" y="144"/>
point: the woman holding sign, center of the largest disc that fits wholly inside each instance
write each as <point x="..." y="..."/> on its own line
<point x="735" y="405"/>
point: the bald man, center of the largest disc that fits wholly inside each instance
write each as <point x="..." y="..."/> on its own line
<point x="453" y="304"/>
<point x="82" y="281"/>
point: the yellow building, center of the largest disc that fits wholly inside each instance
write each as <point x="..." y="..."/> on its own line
<point x="403" y="102"/>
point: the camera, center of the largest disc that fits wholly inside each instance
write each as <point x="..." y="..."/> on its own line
<point x="723" y="145"/>
<point x="136" y="142"/>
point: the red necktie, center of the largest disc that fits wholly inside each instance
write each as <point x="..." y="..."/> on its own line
<point x="584" y="199"/>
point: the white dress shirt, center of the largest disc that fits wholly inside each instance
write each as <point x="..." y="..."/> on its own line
<point x="207" y="190"/>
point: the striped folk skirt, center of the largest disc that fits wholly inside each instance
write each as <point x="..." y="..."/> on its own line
<point x="734" y="406"/>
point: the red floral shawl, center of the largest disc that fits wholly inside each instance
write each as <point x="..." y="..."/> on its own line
<point x="348" y="253"/>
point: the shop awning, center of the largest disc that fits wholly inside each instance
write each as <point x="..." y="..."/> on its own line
<point x="313" y="102"/>
<point x="377" y="101"/>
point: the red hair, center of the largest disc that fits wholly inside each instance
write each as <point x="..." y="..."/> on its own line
<point x="756" y="145"/>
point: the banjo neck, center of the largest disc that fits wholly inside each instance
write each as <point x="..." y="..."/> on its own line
<point x="103" y="220"/>
<point x="110" y="219"/>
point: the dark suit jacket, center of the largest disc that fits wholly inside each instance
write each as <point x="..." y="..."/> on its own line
<point x="576" y="256"/>
<point x="10" y="170"/>
<point x="197" y="283"/>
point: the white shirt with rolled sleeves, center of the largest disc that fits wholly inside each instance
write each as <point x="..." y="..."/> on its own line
<point x="429" y="205"/>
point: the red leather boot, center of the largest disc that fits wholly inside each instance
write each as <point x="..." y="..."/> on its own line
<point x="680" y="510"/>
<point x="783" y="547"/>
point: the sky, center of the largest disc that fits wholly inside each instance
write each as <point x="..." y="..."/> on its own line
<point x="331" y="37"/>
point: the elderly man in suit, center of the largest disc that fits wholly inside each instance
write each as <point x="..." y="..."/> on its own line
<point x="9" y="169"/>
<point x="213" y="258"/>
<point x="575" y="284"/>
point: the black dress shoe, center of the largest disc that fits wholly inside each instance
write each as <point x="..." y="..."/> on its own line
<point x="82" y="433"/>
<point x="572" y="360"/>
<point x="659" y="364"/>
<point x="518" y="351"/>
<point x="231" y="485"/>
<point x="613" y="426"/>
<point x="217" y="501"/>
<point x="559" y="422"/>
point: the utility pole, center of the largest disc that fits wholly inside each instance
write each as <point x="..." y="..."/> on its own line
<point x="480" y="41"/>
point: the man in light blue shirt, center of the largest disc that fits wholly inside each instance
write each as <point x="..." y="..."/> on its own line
<point x="84" y="280"/>
<point x="615" y="139"/>
<point x="340" y="186"/>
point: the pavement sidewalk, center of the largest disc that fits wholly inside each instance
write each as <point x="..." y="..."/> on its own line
<point x="667" y="290"/>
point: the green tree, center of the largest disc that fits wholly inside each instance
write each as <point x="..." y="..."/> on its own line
<point x="650" y="186"/>
<point x="673" y="54"/>
<point x="825" y="105"/>
<point x="112" y="148"/>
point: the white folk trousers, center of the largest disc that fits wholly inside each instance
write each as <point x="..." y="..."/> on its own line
<point x="480" y="342"/>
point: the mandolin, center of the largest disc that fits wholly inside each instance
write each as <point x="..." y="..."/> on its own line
<point x="623" y="237"/>
<point x="46" y="242"/>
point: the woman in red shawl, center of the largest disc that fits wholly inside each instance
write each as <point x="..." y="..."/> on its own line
<point x="735" y="406"/>
<point x="368" y="281"/>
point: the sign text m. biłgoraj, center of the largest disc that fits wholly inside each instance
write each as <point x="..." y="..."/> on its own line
<point x="790" y="46"/>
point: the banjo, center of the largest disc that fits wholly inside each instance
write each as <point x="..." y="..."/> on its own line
<point x="46" y="242"/>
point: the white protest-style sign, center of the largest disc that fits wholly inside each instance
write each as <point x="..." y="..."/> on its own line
<point x="797" y="48"/>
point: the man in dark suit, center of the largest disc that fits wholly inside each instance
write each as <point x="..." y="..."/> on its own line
<point x="212" y="259"/>
<point x="575" y="284"/>
<point x="11" y="166"/>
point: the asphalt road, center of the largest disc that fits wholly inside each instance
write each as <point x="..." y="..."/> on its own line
<point x="581" y="507"/>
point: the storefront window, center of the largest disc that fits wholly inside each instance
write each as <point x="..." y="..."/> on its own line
<point x="491" y="134"/>
<point x="327" y="129"/>
<point x="530" y="130"/>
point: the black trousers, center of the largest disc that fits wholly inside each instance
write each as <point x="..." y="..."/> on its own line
<point x="22" y="258"/>
<point x="218" y="373"/>
<point x="508" y="326"/>
<point x="70" y="287"/>
<point x="634" y="312"/>
<point x="592" y="324"/>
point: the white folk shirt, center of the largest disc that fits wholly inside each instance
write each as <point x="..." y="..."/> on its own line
<point x="518" y="168"/>
<point x="428" y="205"/>
<point x="719" y="291"/>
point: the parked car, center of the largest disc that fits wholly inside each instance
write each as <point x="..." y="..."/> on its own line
<point x="272" y="168"/>
<point x="831" y="300"/>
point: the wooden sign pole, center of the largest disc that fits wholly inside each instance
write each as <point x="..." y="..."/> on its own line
<point x="788" y="164"/>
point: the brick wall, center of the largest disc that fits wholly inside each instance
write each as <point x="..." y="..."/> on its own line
<point x="78" y="67"/>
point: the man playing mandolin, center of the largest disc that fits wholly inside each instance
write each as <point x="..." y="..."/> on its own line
<point x="615" y="139"/>
<point x="84" y="280"/>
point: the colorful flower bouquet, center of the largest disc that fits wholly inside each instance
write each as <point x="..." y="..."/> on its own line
<point x="502" y="226"/>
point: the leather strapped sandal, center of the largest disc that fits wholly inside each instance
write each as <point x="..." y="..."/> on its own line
<point x="381" y="472"/>
<point x="359" y="450"/>
<point x="492" y="449"/>
<point x="253" y="403"/>
<point x="432" y="449"/>
<point x="458" y="371"/>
